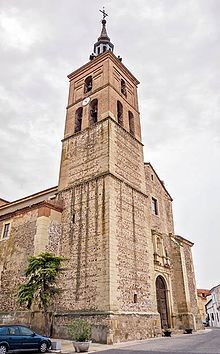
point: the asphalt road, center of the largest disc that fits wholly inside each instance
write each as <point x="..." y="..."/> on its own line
<point x="203" y="343"/>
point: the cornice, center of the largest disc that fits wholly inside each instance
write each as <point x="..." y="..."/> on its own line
<point x="100" y="58"/>
<point x="26" y="209"/>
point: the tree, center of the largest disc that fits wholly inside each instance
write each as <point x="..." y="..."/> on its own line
<point x="41" y="273"/>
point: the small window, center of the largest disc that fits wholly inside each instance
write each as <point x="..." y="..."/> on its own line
<point x="217" y="316"/>
<point x="212" y="316"/>
<point x="123" y="88"/>
<point x="104" y="48"/>
<point x="88" y="84"/>
<point x="6" y="230"/>
<point x="154" y="206"/>
<point x="119" y="113"/>
<point x="131" y="122"/>
<point x="152" y="177"/>
<point x="135" y="298"/>
<point x="78" y="119"/>
<point x="93" y="112"/>
<point x="74" y="218"/>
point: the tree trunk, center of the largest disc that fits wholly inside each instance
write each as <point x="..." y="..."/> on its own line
<point x="46" y="320"/>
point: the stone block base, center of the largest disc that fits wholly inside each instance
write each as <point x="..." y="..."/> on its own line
<point x="106" y="327"/>
<point x="187" y="320"/>
<point x="111" y="328"/>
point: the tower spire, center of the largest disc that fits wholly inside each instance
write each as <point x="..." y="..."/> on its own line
<point x="103" y="44"/>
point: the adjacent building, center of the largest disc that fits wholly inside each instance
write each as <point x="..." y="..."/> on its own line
<point x="203" y="298"/>
<point x="213" y="307"/>
<point x="110" y="216"/>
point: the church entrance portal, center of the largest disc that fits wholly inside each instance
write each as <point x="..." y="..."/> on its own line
<point x="162" y="302"/>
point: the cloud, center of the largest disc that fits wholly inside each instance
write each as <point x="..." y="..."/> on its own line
<point x="14" y="33"/>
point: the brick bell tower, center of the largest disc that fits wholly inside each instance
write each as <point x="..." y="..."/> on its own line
<point x="105" y="235"/>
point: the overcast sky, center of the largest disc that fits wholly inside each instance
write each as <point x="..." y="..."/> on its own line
<point x="172" y="47"/>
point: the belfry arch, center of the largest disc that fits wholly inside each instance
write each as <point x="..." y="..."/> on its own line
<point x="162" y="302"/>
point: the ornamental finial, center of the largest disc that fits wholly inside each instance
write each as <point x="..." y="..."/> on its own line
<point x="103" y="13"/>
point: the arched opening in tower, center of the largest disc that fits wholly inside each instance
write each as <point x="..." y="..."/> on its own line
<point x="93" y="111"/>
<point x="88" y="84"/>
<point x="78" y="119"/>
<point x="119" y="113"/>
<point x="131" y="122"/>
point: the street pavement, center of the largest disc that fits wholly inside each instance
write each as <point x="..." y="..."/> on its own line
<point x="202" y="342"/>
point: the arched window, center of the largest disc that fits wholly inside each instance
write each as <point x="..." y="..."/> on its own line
<point x="104" y="48"/>
<point x="131" y="122"/>
<point x="78" y="119"/>
<point x="93" y="111"/>
<point x="123" y="88"/>
<point x="119" y="113"/>
<point x="88" y="84"/>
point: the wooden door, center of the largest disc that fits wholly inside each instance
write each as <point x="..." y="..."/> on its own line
<point x="162" y="302"/>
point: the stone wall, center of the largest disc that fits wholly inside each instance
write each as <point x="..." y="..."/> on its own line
<point x="184" y="286"/>
<point x="194" y="308"/>
<point x="85" y="155"/>
<point x="84" y="243"/>
<point x="133" y="246"/>
<point x="110" y="328"/>
<point x="14" y="253"/>
<point x="126" y="157"/>
<point x="163" y="222"/>
<point x="31" y="232"/>
<point x="172" y="257"/>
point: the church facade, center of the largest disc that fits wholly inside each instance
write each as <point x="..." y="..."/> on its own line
<point x="110" y="216"/>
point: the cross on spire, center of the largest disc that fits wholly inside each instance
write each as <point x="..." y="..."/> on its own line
<point x="103" y="13"/>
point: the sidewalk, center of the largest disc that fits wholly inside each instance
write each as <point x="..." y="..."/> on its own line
<point x="67" y="346"/>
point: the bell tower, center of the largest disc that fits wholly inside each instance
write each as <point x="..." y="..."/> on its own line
<point x="103" y="89"/>
<point x="105" y="234"/>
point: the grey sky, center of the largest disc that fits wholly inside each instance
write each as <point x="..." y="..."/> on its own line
<point x="171" y="46"/>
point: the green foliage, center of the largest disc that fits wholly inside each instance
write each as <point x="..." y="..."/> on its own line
<point x="80" y="330"/>
<point x="41" y="274"/>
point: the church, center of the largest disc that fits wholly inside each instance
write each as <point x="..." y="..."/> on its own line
<point x="110" y="216"/>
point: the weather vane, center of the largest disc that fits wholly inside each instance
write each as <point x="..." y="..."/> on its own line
<point x="104" y="13"/>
